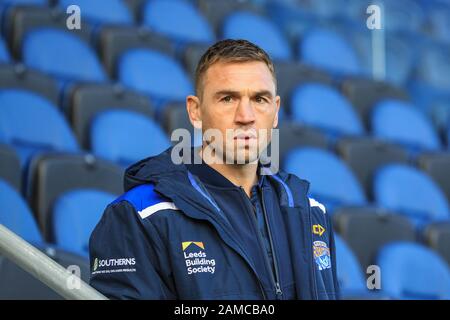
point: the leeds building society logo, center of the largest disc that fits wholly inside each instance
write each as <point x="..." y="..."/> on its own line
<point x="322" y="255"/>
<point x="196" y="259"/>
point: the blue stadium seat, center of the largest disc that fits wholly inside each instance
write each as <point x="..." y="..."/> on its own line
<point x="178" y="20"/>
<point x="31" y="124"/>
<point x="126" y="137"/>
<point x="16" y="215"/>
<point x="61" y="54"/>
<point x="399" y="122"/>
<point x="411" y="192"/>
<point x="439" y="21"/>
<point x="75" y="215"/>
<point x="328" y="50"/>
<point x="350" y="276"/>
<point x="101" y="11"/>
<point x="155" y="74"/>
<point x="324" y="107"/>
<point x="4" y="53"/>
<point x="412" y="271"/>
<point x="259" y="30"/>
<point x="332" y="182"/>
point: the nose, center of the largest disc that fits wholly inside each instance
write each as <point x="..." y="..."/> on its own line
<point x="244" y="113"/>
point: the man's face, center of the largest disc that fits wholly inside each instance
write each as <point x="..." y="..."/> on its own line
<point x="240" y="96"/>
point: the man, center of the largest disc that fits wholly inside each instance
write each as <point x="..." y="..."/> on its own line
<point x="224" y="228"/>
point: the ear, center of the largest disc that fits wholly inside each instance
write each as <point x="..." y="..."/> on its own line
<point x="194" y="112"/>
<point x="277" y="106"/>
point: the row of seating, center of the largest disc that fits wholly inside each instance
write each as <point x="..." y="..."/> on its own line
<point x="192" y="28"/>
<point x="371" y="237"/>
<point x="405" y="270"/>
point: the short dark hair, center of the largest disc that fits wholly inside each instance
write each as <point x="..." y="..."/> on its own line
<point x="230" y="50"/>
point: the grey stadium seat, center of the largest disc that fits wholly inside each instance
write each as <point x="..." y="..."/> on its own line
<point x="50" y="175"/>
<point x="365" y="155"/>
<point x="86" y="101"/>
<point x="437" y="236"/>
<point x="10" y="169"/>
<point x="113" y="41"/>
<point x="367" y="229"/>
<point x="20" y="77"/>
<point x="437" y="165"/>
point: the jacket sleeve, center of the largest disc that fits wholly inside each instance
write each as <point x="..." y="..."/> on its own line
<point x="125" y="263"/>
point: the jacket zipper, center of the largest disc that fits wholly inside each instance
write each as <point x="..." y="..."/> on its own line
<point x="272" y="247"/>
<point x="274" y="274"/>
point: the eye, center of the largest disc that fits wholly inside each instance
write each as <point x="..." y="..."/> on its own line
<point x="260" y="99"/>
<point x="227" y="99"/>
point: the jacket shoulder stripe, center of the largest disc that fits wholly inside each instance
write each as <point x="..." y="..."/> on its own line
<point x="315" y="203"/>
<point x="157" y="207"/>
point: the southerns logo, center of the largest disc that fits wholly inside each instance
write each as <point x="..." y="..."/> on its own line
<point x="114" y="265"/>
<point x="196" y="261"/>
<point x="322" y="255"/>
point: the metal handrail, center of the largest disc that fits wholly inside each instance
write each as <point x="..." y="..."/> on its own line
<point x="44" y="268"/>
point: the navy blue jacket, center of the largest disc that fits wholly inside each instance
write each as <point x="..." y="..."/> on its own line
<point x="167" y="237"/>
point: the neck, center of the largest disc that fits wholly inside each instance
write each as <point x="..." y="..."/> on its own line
<point x="243" y="175"/>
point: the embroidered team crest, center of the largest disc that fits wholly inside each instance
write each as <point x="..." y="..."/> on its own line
<point x="322" y="255"/>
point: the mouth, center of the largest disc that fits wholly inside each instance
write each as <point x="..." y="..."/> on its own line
<point x="245" y="136"/>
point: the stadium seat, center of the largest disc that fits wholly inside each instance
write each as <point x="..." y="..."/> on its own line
<point x="411" y="192"/>
<point x="323" y="107"/>
<point x="101" y="11"/>
<point x="259" y="30"/>
<point x="4" y="53"/>
<point x="75" y="215"/>
<point x="86" y="101"/>
<point x="433" y="67"/>
<point x="412" y="271"/>
<point x="17" y="284"/>
<point x="332" y="182"/>
<point x="350" y="276"/>
<point x="365" y="93"/>
<point x="399" y="122"/>
<point x="51" y="175"/>
<point x="23" y="19"/>
<point x="167" y="81"/>
<point x="328" y="50"/>
<point x="292" y="135"/>
<point x="437" y="237"/>
<point x="215" y="11"/>
<point x="32" y="124"/>
<point x="439" y="22"/>
<point x="291" y="74"/>
<point x="10" y="170"/>
<point x="115" y="40"/>
<point x="293" y="18"/>
<point x="20" y="77"/>
<point x="437" y="165"/>
<point x="191" y="56"/>
<point x="175" y="117"/>
<point x="178" y="20"/>
<point x="62" y="55"/>
<point x="125" y="137"/>
<point x="16" y="215"/>
<point x="367" y="229"/>
<point x="365" y="155"/>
